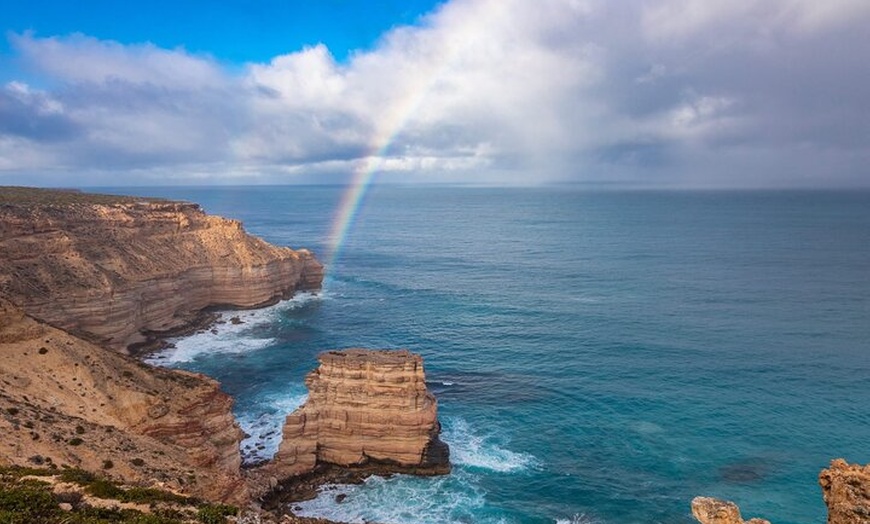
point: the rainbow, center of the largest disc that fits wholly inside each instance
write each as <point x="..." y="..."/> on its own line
<point x="394" y="121"/>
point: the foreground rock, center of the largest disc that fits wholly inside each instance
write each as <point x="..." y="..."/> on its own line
<point x="366" y="409"/>
<point x="65" y="402"/>
<point x="708" y="510"/>
<point x="118" y="269"/>
<point x="846" y="490"/>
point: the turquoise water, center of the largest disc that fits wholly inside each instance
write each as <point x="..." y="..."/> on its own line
<point x="599" y="356"/>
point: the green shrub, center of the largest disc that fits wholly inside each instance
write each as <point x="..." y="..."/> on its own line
<point x="77" y="476"/>
<point x="75" y="441"/>
<point x="215" y="514"/>
<point x="27" y="502"/>
<point x="102" y="488"/>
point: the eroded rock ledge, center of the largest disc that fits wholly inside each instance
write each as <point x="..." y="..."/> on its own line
<point x="708" y="510"/>
<point x="366" y="409"/>
<point x="118" y="269"/>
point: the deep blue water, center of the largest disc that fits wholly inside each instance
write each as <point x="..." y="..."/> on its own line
<point x="599" y="356"/>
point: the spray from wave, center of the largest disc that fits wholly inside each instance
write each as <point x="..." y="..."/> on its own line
<point x="455" y="498"/>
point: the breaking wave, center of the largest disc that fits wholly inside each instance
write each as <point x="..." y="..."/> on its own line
<point x="235" y="331"/>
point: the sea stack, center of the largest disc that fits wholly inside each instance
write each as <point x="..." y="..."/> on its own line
<point x="365" y="407"/>
<point x="846" y="490"/>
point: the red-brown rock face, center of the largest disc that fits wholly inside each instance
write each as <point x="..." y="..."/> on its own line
<point x="116" y="271"/>
<point x="363" y="407"/>
<point x="846" y="490"/>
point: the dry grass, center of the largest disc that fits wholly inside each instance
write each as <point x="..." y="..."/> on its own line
<point x="17" y="195"/>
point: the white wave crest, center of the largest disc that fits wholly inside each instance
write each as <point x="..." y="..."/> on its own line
<point x="400" y="499"/>
<point x="577" y="519"/>
<point x="470" y="449"/>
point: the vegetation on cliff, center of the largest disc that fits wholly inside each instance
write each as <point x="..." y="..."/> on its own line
<point x="35" y="196"/>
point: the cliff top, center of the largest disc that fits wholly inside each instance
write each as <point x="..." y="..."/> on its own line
<point x="373" y="356"/>
<point x="27" y="196"/>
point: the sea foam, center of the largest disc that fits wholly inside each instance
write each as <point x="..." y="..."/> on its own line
<point x="228" y="337"/>
<point x="401" y="499"/>
<point x="485" y="451"/>
<point x="263" y="425"/>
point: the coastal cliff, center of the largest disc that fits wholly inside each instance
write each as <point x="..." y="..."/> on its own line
<point x="82" y="272"/>
<point x="65" y="402"/>
<point x="117" y="270"/>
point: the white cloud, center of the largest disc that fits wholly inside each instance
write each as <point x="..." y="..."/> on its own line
<point x="84" y="59"/>
<point x="481" y="90"/>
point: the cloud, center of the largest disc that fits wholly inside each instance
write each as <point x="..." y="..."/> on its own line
<point x="674" y="92"/>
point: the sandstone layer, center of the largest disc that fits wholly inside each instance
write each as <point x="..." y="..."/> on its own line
<point x="364" y="407"/>
<point x="846" y="490"/>
<point x="67" y="402"/>
<point x="118" y="269"/>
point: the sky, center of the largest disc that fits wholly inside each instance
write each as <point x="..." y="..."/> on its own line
<point x="641" y="93"/>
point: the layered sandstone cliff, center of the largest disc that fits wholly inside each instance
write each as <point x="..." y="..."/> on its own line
<point x="66" y="402"/>
<point x="117" y="269"/>
<point x="846" y="490"/>
<point x="364" y="407"/>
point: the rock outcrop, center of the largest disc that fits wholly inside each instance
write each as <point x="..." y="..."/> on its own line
<point x="708" y="510"/>
<point x="364" y="407"/>
<point x="846" y="490"/>
<point x="67" y="402"/>
<point x="118" y="269"/>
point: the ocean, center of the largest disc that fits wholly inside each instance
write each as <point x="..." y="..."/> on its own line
<point x="599" y="356"/>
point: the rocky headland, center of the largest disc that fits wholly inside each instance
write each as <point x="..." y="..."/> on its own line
<point x="86" y="278"/>
<point x="121" y="270"/>
<point x="83" y="278"/>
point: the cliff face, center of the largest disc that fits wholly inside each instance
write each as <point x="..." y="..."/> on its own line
<point x="117" y="270"/>
<point x="65" y="401"/>
<point x="365" y="407"/>
<point x="846" y="490"/>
